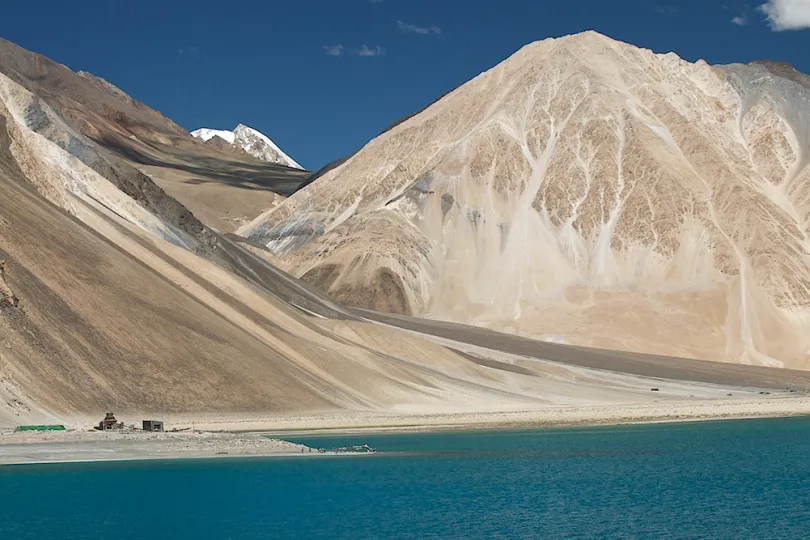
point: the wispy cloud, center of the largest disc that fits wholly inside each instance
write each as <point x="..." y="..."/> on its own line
<point x="365" y="50"/>
<point x="666" y="10"/>
<point x="334" y="50"/>
<point x="787" y="14"/>
<point x="414" y="29"/>
<point x="740" y="20"/>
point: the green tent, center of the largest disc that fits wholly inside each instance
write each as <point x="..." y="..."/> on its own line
<point x="57" y="427"/>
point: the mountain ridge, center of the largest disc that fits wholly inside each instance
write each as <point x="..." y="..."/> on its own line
<point x="678" y="167"/>
<point x="122" y="288"/>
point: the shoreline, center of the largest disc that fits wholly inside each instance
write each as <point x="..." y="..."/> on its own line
<point x="517" y="426"/>
<point x="238" y="436"/>
<point x="354" y="422"/>
<point x="169" y="458"/>
<point x="86" y="447"/>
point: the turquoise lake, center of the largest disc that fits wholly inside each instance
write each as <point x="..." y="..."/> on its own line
<point x="736" y="479"/>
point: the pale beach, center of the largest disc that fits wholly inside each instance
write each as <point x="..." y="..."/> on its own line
<point x="233" y="435"/>
<point x="82" y="446"/>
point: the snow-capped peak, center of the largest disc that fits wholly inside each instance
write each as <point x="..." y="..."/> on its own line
<point x="251" y="141"/>
<point x="207" y="134"/>
<point x="259" y="145"/>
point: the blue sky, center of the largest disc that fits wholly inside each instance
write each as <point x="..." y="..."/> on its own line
<point x="322" y="77"/>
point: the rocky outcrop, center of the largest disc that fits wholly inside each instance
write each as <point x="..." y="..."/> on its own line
<point x="7" y="297"/>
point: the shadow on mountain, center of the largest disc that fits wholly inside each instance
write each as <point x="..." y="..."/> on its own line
<point x="239" y="173"/>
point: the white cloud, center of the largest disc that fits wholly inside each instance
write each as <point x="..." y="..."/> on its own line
<point x="740" y="20"/>
<point x="414" y="29"/>
<point x="787" y="14"/>
<point x="334" y="50"/>
<point x="365" y="50"/>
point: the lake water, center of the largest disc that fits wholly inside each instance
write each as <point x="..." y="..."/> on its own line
<point x="740" y="479"/>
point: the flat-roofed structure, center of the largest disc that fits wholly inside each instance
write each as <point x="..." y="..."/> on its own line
<point x="153" y="425"/>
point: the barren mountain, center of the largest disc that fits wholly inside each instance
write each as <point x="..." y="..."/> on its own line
<point x="115" y="296"/>
<point x="222" y="189"/>
<point x="584" y="191"/>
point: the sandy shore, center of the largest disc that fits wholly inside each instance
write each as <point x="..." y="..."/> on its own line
<point x="582" y="415"/>
<point x="239" y="435"/>
<point x="78" y="446"/>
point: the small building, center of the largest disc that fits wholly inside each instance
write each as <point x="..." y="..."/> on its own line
<point x="109" y="423"/>
<point x="153" y="425"/>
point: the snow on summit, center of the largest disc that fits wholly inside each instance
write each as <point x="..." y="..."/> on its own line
<point x="251" y="141"/>
<point x="207" y="134"/>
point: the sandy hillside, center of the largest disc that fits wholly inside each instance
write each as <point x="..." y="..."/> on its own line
<point x="115" y="296"/>
<point x="584" y="191"/>
<point x="221" y="186"/>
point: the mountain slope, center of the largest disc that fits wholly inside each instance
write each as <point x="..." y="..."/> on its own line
<point x="114" y="296"/>
<point x="221" y="188"/>
<point x="583" y="191"/>
<point x="100" y="313"/>
<point x="253" y="142"/>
